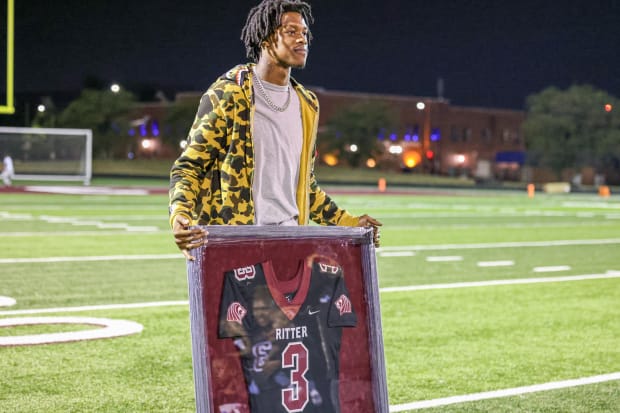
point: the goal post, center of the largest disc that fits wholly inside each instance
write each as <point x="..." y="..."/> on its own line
<point x="8" y="108"/>
<point x="49" y="154"/>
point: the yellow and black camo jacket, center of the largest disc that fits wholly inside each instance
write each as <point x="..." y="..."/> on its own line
<point x="211" y="181"/>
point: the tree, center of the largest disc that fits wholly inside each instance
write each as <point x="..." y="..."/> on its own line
<point x="572" y="129"/>
<point x="178" y="120"/>
<point x="358" y="125"/>
<point x="106" y="113"/>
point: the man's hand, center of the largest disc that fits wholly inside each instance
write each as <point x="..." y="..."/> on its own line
<point x="368" y="221"/>
<point x="187" y="239"/>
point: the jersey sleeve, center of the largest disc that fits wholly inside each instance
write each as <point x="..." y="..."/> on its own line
<point x="341" y="312"/>
<point x="234" y="307"/>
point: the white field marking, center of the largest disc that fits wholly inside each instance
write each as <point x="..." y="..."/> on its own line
<point x="503" y="225"/>
<point x="608" y="274"/>
<point x="476" y="214"/>
<point x="77" y="222"/>
<point x="485" y="245"/>
<point x="555" y="268"/>
<point x="91" y="258"/>
<point x="506" y="263"/>
<point x="80" y="190"/>
<point x="6" y="301"/>
<point x="397" y="254"/>
<point x="516" y="391"/>
<point x="90" y="207"/>
<point x="15" y="217"/>
<point x="603" y="205"/>
<point x="585" y="214"/>
<point x="79" y="233"/>
<point x="612" y="216"/>
<point x="98" y="224"/>
<point x="445" y="258"/>
<point x="111" y="328"/>
<point x="94" y="308"/>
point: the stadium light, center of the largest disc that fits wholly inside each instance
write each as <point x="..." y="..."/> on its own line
<point x="420" y="105"/>
<point x="115" y="88"/>
<point x="41" y="108"/>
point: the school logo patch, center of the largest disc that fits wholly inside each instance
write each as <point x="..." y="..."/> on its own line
<point x="330" y="269"/>
<point x="245" y="273"/>
<point x="236" y="312"/>
<point x="343" y="304"/>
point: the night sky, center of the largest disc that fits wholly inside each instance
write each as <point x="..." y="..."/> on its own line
<point x="488" y="53"/>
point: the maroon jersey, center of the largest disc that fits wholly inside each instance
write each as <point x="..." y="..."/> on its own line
<point x="288" y="334"/>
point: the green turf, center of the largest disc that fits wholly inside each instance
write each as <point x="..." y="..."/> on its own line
<point x="438" y="342"/>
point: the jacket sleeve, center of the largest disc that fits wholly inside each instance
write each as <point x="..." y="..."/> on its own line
<point x="323" y="210"/>
<point x="189" y="176"/>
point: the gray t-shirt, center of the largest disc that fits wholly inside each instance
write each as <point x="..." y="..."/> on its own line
<point x="277" y="150"/>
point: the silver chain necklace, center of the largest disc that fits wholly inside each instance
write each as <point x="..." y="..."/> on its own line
<point x="270" y="103"/>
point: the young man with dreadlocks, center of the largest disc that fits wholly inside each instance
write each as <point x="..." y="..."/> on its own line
<point x="250" y="153"/>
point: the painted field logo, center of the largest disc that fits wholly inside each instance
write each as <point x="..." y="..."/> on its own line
<point x="245" y="273"/>
<point x="343" y="304"/>
<point x="236" y="312"/>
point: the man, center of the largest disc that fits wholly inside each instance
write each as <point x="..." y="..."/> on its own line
<point x="7" y="170"/>
<point x="250" y="153"/>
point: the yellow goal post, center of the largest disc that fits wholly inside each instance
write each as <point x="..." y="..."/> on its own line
<point x="9" y="108"/>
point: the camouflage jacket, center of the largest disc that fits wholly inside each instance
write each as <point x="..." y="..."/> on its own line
<point x="211" y="181"/>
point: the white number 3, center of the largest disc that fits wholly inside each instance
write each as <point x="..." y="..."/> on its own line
<point x="295" y="397"/>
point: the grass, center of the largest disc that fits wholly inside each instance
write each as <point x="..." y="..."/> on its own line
<point x="438" y="342"/>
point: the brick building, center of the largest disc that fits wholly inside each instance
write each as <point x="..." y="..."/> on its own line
<point x="431" y="134"/>
<point x="435" y="136"/>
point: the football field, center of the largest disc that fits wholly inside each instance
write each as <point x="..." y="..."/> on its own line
<point x="491" y="301"/>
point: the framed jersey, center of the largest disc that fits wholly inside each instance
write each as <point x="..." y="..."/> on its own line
<point x="286" y="319"/>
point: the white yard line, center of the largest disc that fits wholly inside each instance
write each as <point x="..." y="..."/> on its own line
<point x="484" y="245"/>
<point x="92" y="258"/>
<point x="608" y="274"/>
<point x="83" y="233"/>
<point x="397" y="254"/>
<point x="6" y="301"/>
<point x="92" y="190"/>
<point x="445" y="258"/>
<point x="554" y="268"/>
<point x="506" y="263"/>
<point x="554" y="385"/>
<point x="94" y="308"/>
<point x="77" y="221"/>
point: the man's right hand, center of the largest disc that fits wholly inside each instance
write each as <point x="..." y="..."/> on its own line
<point x="187" y="239"/>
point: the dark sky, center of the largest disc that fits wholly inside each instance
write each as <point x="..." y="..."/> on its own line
<point x="489" y="53"/>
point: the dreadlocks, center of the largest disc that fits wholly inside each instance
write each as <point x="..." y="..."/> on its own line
<point x="264" y="19"/>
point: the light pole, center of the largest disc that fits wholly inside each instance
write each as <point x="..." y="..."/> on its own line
<point x="426" y="133"/>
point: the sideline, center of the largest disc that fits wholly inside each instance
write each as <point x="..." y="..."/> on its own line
<point x="554" y="385"/>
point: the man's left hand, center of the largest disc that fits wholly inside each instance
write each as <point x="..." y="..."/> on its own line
<point x="368" y="221"/>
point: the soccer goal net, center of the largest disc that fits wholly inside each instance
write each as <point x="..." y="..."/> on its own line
<point x="48" y="154"/>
